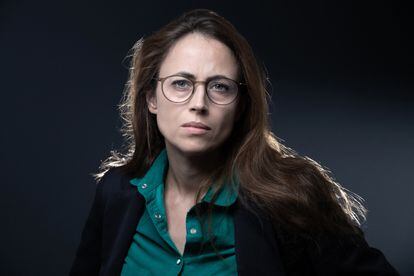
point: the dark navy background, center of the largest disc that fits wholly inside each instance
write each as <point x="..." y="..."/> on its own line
<point x="341" y="83"/>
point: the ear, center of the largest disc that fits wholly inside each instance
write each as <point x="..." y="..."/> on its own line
<point x="152" y="102"/>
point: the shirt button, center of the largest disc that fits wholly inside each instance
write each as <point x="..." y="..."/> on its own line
<point x="178" y="261"/>
<point x="144" y="186"/>
<point x="157" y="216"/>
<point x="193" y="230"/>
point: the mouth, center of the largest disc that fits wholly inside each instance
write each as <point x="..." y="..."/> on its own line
<point x="196" y="125"/>
<point x="196" y="128"/>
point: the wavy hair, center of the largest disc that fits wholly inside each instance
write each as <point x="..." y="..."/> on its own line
<point x="294" y="191"/>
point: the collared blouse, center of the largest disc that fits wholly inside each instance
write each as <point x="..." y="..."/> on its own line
<point x="152" y="249"/>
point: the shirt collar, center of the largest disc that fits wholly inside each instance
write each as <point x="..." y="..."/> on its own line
<point x="156" y="174"/>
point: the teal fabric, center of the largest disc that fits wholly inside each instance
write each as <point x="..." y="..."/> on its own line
<point x="153" y="252"/>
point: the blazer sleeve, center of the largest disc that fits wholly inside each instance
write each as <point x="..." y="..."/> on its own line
<point x="88" y="256"/>
<point x="349" y="255"/>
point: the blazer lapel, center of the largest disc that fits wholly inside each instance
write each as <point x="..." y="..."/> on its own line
<point x="124" y="215"/>
<point x="255" y="245"/>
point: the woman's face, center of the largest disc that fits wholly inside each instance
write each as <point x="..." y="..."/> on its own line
<point x="202" y="57"/>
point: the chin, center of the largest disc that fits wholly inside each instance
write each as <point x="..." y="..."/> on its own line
<point x="193" y="149"/>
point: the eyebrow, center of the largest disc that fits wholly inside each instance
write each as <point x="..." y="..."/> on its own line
<point x="191" y="76"/>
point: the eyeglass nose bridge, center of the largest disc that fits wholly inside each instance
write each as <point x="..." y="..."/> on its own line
<point x="194" y="89"/>
<point x="195" y="82"/>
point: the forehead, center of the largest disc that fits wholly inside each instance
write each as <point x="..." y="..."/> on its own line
<point x="200" y="55"/>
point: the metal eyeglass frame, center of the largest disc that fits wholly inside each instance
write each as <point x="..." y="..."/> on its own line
<point x="194" y="85"/>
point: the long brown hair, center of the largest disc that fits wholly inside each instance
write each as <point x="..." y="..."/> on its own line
<point x="294" y="191"/>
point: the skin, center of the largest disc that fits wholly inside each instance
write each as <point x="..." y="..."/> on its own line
<point x="191" y="156"/>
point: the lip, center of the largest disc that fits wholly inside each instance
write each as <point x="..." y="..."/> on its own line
<point x="196" y="125"/>
<point x="195" y="130"/>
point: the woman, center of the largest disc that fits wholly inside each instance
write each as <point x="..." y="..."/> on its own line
<point x="204" y="187"/>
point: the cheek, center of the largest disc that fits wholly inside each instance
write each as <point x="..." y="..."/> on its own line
<point x="166" y="120"/>
<point x="225" y="125"/>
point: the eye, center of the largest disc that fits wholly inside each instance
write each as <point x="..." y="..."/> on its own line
<point x="219" y="87"/>
<point x="181" y="84"/>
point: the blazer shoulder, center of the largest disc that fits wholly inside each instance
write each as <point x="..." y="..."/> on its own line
<point x="349" y="254"/>
<point x="328" y="254"/>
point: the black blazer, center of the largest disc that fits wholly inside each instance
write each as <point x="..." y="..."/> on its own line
<point x="259" y="248"/>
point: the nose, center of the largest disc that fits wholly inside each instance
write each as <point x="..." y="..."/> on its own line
<point x="198" y="101"/>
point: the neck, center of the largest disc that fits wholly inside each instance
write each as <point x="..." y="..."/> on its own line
<point x="185" y="173"/>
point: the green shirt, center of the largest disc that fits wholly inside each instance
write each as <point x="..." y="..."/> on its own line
<point x="152" y="251"/>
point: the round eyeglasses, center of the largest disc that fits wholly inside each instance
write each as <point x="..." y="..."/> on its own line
<point x="178" y="89"/>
